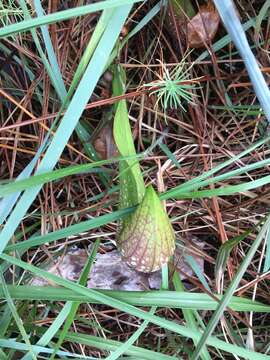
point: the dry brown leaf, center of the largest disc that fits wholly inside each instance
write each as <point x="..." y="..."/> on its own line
<point x="203" y="27"/>
<point x="104" y="143"/>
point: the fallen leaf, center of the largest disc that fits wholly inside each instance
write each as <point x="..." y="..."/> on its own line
<point x="104" y="143"/>
<point x="178" y="11"/>
<point x="203" y="27"/>
<point x="111" y="272"/>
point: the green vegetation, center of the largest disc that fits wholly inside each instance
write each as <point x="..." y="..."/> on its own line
<point x="189" y="176"/>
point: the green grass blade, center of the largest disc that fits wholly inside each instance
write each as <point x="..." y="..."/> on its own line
<point x="6" y="317"/>
<point x="198" y="180"/>
<point x="189" y="315"/>
<point x="56" y="77"/>
<point x="229" y="292"/>
<point x="148" y="17"/>
<point x="49" y="176"/>
<point x="58" y="80"/>
<point x="196" y="184"/>
<point x="221" y="43"/>
<point x="15" y="345"/>
<point x="112" y="345"/>
<point x="107" y="300"/>
<point x="29" y="72"/>
<point x="71" y="117"/>
<point x="7" y="203"/>
<point x="173" y="299"/>
<point x="234" y="28"/>
<point x="52" y="330"/>
<point x="222" y="191"/>
<point x="75" y="305"/>
<point x="70" y="230"/>
<point x="124" y="348"/>
<point x="19" y="185"/>
<point x="264" y="12"/>
<point x="170" y="155"/>
<point x="224" y="254"/>
<point x="197" y="270"/>
<point x="66" y="315"/>
<point x="43" y="178"/>
<point x="266" y="265"/>
<point x="16" y="316"/>
<point x="63" y="15"/>
<point x="51" y="71"/>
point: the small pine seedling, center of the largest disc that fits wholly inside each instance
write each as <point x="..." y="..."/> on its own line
<point x="173" y="87"/>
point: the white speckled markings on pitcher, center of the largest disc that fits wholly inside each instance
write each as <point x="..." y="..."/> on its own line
<point x="147" y="241"/>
